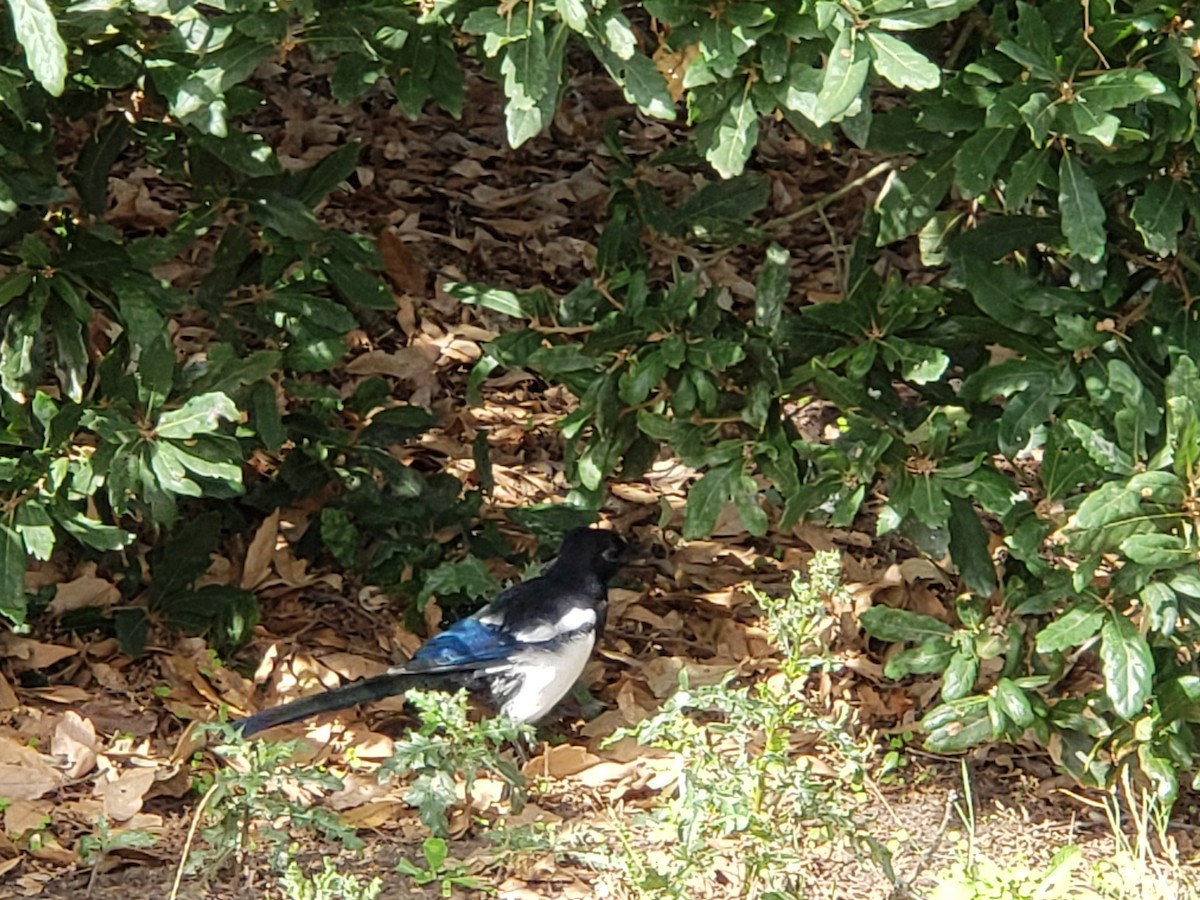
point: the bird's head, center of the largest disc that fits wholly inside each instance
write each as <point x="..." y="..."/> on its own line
<point x="592" y="550"/>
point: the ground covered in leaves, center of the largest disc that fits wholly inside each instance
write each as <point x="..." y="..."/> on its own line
<point x="447" y="201"/>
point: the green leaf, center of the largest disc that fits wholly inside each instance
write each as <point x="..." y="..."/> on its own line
<point x="924" y="659"/>
<point x="1072" y="628"/>
<point x="36" y="529"/>
<point x="21" y="346"/>
<point x="645" y="87"/>
<point x="71" y="353"/>
<point x="14" y="285"/>
<point x="1182" y="390"/>
<point x="911" y="197"/>
<point x="1082" y="212"/>
<point x="1126" y="664"/>
<point x="227" y="614"/>
<point x="1159" y="550"/>
<point x="746" y="501"/>
<point x="918" y="364"/>
<point x="897" y="625"/>
<point x="735" y="136"/>
<point x="199" y="415"/>
<point x="969" y="547"/>
<point x="341" y="536"/>
<point x="958" y="734"/>
<point x="12" y="575"/>
<point x="249" y="154"/>
<point x="146" y="332"/>
<point x="228" y="471"/>
<point x="170" y="472"/>
<point x="1103" y="452"/>
<point x="45" y="51"/>
<point x="1030" y="170"/>
<point x="918" y="14"/>
<point x="574" y="13"/>
<point x="706" y="499"/>
<point x="1013" y="703"/>
<point x="90" y="532"/>
<point x="96" y="161"/>
<point x="1158" y="215"/>
<point x="396" y="425"/>
<point x="495" y="299"/>
<point x="527" y="79"/>
<point x="844" y="78"/>
<point x="772" y="288"/>
<point x="979" y="158"/>
<point x="1031" y="408"/>
<point x="1121" y="88"/>
<point x="960" y="675"/>
<point x="467" y="576"/>
<point x="182" y="558"/>
<point x="732" y="200"/>
<point x="901" y="64"/>
<point x="314" y="184"/>
<point x="286" y="216"/>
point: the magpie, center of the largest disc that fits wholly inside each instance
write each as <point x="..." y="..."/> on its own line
<point x="522" y="652"/>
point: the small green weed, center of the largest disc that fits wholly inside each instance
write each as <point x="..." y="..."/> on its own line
<point x="449" y="745"/>
<point x="258" y="797"/>
<point x="93" y="848"/>
<point x="439" y="868"/>
<point x="328" y="884"/>
<point x="744" y="801"/>
<point x="1132" y="871"/>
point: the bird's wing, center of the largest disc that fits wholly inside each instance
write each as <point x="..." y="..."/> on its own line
<point x="467" y="644"/>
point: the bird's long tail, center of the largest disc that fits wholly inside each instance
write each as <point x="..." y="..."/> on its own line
<point x="366" y="691"/>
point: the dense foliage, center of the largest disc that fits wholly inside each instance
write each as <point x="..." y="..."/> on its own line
<point x="1033" y="414"/>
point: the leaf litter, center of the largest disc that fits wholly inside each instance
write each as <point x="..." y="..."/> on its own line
<point x="447" y="201"/>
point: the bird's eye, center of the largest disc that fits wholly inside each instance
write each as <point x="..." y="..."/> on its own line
<point x="611" y="554"/>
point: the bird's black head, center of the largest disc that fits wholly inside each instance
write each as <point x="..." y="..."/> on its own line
<point x="602" y="553"/>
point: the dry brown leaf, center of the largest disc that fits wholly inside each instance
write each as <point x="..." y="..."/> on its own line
<point x="260" y="553"/>
<point x="405" y="363"/>
<point x="31" y="654"/>
<point x="50" y="850"/>
<point x="607" y="773"/>
<point x="23" y="816"/>
<point x="23" y="781"/>
<point x="402" y="267"/>
<point x="75" y="740"/>
<point x="377" y="814"/>
<point x="123" y="797"/>
<point x="62" y="693"/>
<point x="86" y="590"/>
<point x="662" y="674"/>
<point x="674" y="66"/>
<point x="8" y="697"/>
<point x="560" y="761"/>
<point x="358" y="788"/>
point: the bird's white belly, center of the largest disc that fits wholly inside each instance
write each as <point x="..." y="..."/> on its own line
<point x="540" y="678"/>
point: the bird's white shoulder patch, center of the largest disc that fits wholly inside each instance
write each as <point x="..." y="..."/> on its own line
<point x="577" y="618"/>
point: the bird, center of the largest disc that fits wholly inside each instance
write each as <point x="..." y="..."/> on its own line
<point x="522" y="652"/>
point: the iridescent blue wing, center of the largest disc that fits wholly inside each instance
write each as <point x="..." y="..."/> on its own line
<point x="462" y="645"/>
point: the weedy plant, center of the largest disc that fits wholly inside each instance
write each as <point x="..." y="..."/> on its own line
<point x="448" y="746"/>
<point x="439" y="868"/>
<point x="328" y="884"/>
<point x="745" y="803"/>
<point x="94" y="847"/>
<point x="1133" y="870"/>
<point x="258" y="799"/>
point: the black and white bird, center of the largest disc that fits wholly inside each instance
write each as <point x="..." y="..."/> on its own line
<point x="522" y="652"/>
